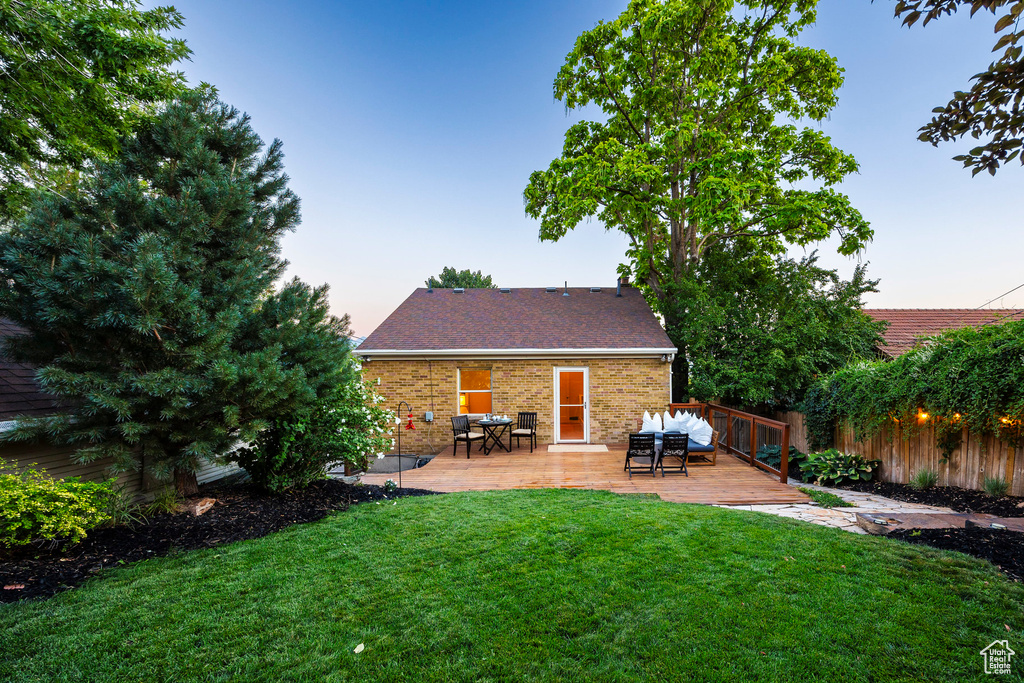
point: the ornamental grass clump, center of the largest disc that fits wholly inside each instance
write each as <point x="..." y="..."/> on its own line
<point x="924" y="479"/>
<point x="996" y="487"/>
<point x="36" y="507"/>
<point x="835" y="467"/>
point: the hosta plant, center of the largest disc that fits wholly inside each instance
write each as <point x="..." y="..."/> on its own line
<point x="834" y="467"/>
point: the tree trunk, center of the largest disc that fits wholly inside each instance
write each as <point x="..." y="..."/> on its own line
<point x="185" y="483"/>
<point x="680" y="378"/>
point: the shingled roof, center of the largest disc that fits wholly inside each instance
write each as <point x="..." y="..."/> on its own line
<point x="20" y="394"/>
<point x="445" y="321"/>
<point x="908" y="325"/>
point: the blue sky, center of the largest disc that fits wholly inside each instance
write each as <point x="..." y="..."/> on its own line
<point x="411" y="128"/>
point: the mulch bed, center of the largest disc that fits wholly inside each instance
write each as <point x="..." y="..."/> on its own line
<point x="241" y="513"/>
<point x="958" y="499"/>
<point x="1003" y="548"/>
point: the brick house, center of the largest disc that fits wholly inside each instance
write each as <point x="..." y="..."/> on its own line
<point x="588" y="361"/>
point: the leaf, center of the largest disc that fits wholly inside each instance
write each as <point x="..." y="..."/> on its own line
<point x="1003" y="40"/>
<point x="1003" y="22"/>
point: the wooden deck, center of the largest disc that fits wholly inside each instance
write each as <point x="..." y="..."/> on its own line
<point x="730" y="482"/>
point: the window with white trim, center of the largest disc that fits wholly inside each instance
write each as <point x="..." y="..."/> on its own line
<point x="474" y="392"/>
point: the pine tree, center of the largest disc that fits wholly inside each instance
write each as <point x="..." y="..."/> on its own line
<point x="148" y="297"/>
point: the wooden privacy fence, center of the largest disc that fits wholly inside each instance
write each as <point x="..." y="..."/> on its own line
<point x="901" y="458"/>
<point x="744" y="434"/>
<point x="967" y="466"/>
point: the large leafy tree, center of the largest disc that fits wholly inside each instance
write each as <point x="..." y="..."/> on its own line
<point x="991" y="109"/>
<point x="451" y="278"/>
<point x="700" y="142"/>
<point x="75" y="76"/>
<point x="149" y="297"/>
<point x="762" y="329"/>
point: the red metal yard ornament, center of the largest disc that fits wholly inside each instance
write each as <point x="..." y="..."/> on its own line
<point x="410" y="425"/>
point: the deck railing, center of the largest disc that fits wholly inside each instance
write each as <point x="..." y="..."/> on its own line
<point x="744" y="434"/>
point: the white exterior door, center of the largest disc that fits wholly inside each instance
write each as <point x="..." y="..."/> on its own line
<point x="572" y="405"/>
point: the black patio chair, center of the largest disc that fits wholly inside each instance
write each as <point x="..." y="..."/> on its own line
<point x="675" y="446"/>
<point x="461" y="432"/>
<point x="641" y="451"/>
<point x="526" y="427"/>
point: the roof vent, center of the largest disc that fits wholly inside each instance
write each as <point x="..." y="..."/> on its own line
<point x="459" y="290"/>
<point x="506" y="290"/>
<point x="551" y="289"/>
<point x="595" y="290"/>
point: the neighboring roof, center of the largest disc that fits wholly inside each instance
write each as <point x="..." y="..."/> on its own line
<point x="520" y="320"/>
<point x="20" y="393"/>
<point x="908" y="325"/>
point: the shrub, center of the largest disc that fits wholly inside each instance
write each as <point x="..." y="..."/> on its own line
<point x="835" y="467"/>
<point x="995" y="486"/>
<point x="969" y="378"/>
<point x="772" y="456"/>
<point x="924" y="479"/>
<point x="347" y="425"/>
<point x="35" y="506"/>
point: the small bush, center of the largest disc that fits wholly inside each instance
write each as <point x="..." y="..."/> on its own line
<point x="772" y="456"/>
<point x="924" y="479"/>
<point x="346" y="425"/>
<point x="995" y="486"/>
<point x="35" y="506"/>
<point x="834" y="467"/>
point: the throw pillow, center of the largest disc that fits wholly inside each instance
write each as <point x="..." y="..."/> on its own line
<point x="672" y="424"/>
<point x="701" y="433"/>
<point x="651" y="425"/>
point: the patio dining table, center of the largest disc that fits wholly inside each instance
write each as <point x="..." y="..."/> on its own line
<point x="494" y="430"/>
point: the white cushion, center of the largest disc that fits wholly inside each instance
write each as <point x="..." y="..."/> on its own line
<point x="522" y="431"/>
<point x="470" y="435"/>
<point x="674" y="424"/>
<point x="701" y="433"/>
<point x="651" y="425"/>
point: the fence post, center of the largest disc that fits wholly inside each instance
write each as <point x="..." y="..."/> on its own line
<point x="753" y="440"/>
<point x="728" y="431"/>
<point x="784" y="465"/>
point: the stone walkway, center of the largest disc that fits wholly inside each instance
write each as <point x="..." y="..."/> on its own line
<point x="841" y="518"/>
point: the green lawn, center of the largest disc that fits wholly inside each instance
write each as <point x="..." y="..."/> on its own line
<point x="527" y="585"/>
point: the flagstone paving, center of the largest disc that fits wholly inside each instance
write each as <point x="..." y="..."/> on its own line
<point x="841" y="518"/>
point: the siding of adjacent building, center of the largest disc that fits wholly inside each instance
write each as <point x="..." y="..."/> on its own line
<point x="60" y="463"/>
<point x="621" y="389"/>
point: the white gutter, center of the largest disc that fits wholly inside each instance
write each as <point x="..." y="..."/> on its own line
<point x="642" y="352"/>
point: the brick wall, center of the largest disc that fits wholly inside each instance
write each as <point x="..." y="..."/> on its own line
<point x="621" y="389"/>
